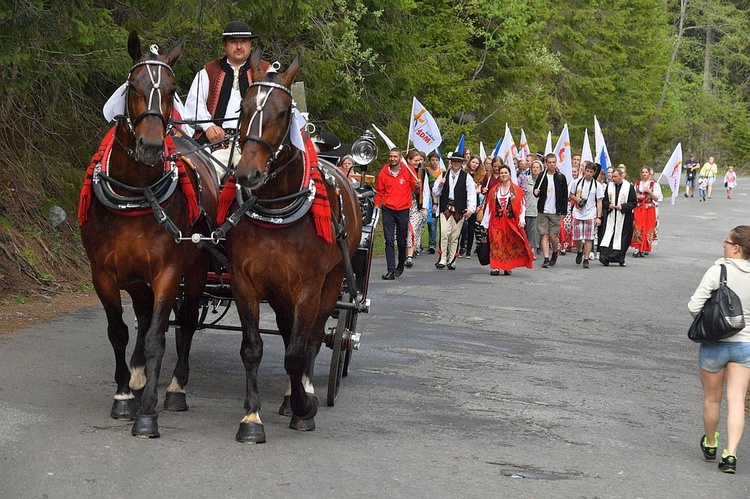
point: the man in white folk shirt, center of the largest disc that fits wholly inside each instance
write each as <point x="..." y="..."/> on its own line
<point x="457" y="201"/>
<point x="216" y="94"/>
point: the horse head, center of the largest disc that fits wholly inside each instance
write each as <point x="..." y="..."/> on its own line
<point x="266" y="118"/>
<point x="149" y="99"/>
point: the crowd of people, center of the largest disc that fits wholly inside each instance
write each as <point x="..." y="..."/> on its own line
<point x="598" y="214"/>
<point x="704" y="177"/>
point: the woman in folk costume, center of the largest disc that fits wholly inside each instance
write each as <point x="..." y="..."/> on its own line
<point x="505" y="219"/>
<point x="648" y="193"/>
<point x="417" y="213"/>
<point x="617" y="208"/>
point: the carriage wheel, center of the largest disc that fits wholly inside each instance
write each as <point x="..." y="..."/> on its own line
<point x="337" y="359"/>
<point x="352" y="327"/>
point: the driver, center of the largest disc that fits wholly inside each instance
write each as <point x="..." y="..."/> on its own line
<point x="216" y="93"/>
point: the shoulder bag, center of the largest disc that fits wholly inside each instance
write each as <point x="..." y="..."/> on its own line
<point x="721" y="315"/>
<point x="481" y="237"/>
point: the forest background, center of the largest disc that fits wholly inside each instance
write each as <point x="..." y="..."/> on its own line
<point x="654" y="72"/>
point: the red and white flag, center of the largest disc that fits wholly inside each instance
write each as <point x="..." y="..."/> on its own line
<point x="673" y="170"/>
<point x="562" y="151"/>
<point x="507" y="152"/>
<point x="423" y="130"/>
<point x="523" y="147"/>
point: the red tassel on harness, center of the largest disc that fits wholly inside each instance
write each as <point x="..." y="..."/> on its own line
<point x="320" y="209"/>
<point x="87" y="190"/>
<point x="84" y="201"/>
<point x="226" y="198"/>
<point x="185" y="185"/>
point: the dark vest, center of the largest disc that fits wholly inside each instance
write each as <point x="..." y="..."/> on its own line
<point x="459" y="192"/>
<point x="220" y="79"/>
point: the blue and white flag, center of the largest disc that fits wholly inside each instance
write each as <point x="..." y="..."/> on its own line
<point x="460" y="147"/>
<point x="602" y="155"/>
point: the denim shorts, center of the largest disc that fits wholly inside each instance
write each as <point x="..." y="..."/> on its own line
<point x="713" y="357"/>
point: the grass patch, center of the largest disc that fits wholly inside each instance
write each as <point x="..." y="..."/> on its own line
<point x="5" y="222"/>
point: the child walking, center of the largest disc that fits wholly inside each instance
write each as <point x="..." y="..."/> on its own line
<point x="702" y="186"/>
<point x="730" y="181"/>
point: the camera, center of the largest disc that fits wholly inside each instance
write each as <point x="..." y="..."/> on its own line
<point x="582" y="203"/>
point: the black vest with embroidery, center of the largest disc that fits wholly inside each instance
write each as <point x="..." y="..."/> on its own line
<point x="459" y="192"/>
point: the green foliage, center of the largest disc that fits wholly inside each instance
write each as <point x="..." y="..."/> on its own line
<point x="475" y="64"/>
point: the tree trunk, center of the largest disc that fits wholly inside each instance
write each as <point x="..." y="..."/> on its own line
<point x="675" y="53"/>
<point x="707" y="75"/>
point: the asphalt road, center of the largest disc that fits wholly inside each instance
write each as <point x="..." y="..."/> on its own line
<point x="558" y="382"/>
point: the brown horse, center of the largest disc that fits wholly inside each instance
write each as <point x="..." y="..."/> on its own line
<point x="298" y="272"/>
<point x="129" y="249"/>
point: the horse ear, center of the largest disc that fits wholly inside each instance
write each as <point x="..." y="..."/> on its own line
<point x="134" y="46"/>
<point x="175" y="53"/>
<point x="255" y="64"/>
<point x="291" y="71"/>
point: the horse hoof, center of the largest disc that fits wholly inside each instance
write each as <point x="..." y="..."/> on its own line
<point x="175" y="401"/>
<point x="251" y="433"/>
<point x="145" y="426"/>
<point x="300" y="424"/>
<point x="286" y="406"/>
<point x="306" y="422"/>
<point x="123" y="409"/>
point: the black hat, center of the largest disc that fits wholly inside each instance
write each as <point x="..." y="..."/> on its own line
<point x="238" y="29"/>
<point x="457" y="156"/>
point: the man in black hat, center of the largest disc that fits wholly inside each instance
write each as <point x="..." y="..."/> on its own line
<point x="690" y="166"/>
<point x="216" y="93"/>
<point x="458" y="200"/>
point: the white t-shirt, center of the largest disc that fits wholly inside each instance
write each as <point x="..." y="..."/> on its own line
<point x="550" y="204"/>
<point x="590" y="191"/>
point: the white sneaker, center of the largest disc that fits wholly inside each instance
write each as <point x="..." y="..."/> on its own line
<point x="591" y="255"/>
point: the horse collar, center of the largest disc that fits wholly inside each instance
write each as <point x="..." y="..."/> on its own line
<point x="138" y="204"/>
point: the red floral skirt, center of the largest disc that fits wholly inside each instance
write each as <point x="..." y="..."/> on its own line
<point x="509" y="247"/>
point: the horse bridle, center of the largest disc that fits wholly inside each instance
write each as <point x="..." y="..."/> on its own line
<point x="155" y="92"/>
<point x="260" y="103"/>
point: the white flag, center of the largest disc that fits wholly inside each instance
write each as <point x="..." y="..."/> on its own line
<point x="586" y="149"/>
<point x="548" y="147"/>
<point x="506" y="151"/>
<point x="523" y="147"/>
<point x="423" y="131"/>
<point x="673" y="171"/>
<point x="389" y="143"/>
<point x="482" y="152"/>
<point x="562" y="151"/>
